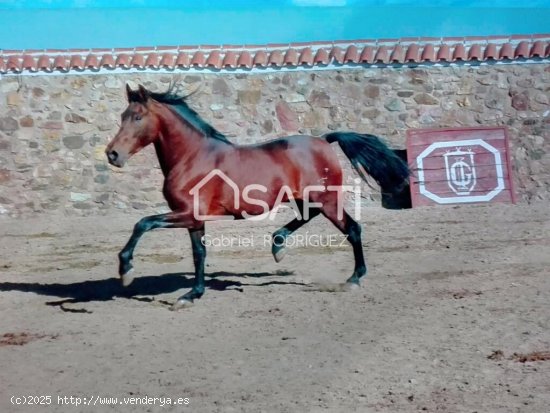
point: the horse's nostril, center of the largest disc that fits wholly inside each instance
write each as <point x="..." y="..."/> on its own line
<point x="113" y="156"/>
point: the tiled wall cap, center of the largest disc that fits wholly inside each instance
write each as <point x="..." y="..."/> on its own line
<point x="307" y="54"/>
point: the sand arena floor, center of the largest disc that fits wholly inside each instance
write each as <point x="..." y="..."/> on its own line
<point x="454" y="316"/>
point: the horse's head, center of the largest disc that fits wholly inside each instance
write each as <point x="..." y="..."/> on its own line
<point x="140" y="127"/>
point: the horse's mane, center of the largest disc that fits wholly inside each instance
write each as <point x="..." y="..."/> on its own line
<point x="178" y="102"/>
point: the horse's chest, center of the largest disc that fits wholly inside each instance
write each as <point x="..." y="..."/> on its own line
<point x="176" y="196"/>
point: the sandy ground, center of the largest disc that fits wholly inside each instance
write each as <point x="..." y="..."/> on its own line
<point x="452" y="294"/>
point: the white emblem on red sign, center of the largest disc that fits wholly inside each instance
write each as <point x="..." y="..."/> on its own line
<point x="461" y="171"/>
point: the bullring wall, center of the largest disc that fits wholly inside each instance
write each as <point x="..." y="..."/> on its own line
<point x="54" y="128"/>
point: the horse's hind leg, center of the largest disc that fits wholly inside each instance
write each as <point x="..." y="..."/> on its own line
<point x="352" y="230"/>
<point x="278" y="239"/>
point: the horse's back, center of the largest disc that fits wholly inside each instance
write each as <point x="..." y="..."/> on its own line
<point x="306" y="160"/>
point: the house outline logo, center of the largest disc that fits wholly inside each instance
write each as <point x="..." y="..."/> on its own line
<point x="194" y="192"/>
<point x="196" y="200"/>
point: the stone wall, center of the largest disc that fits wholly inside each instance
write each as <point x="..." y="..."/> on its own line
<point x="53" y="129"/>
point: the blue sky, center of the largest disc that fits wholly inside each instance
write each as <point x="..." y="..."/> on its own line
<point x="41" y="24"/>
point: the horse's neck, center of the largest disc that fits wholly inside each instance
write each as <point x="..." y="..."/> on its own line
<point x="178" y="143"/>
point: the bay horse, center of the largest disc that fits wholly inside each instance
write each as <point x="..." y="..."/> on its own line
<point x="189" y="149"/>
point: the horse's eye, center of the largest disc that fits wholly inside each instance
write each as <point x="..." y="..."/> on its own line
<point x="137" y="117"/>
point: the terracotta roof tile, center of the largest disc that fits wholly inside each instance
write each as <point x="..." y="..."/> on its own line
<point x="91" y="62"/>
<point x="276" y="58"/>
<point x="167" y="61"/>
<point x="398" y="54"/>
<point x="428" y="54"/>
<point x="491" y="52"/>
<point x="522" y="50"/>
<point x="77" y="62"/>
<point x="459" y="53"/>
<point x="123" y="60"/>
<point x="291" y="57"/>
<point x="43" y="63"/>
<point x="152" y="61"/>
<point x="367" y="55"/>
<point x="107" y="61"/>
<point x="198" y="59"/>
<point x="29" y="63"/>
<point x="245" y="60"/>
<point x="14" y="64"/>
<point x="137" y="61"/>
<point x="306" y="57"/>
<point x="337" y="54"/>
<point x="381" y="55"/>
<point x="60" y="63"/>
<point x="444" y="53"/>
<point x="321" y="57"/>
<point x="352" y="55"/>
<point x="182" y="61"/>
<point x="537" y="50"/>
<point x="412" y="54"/>
<point x="475" y="52"/>
<point x="507" y="51"/>
<point x="214" y="60"/>
<point x="410" y="50"/>
<point x="260" y="58"/>
<point x="230" y="60"/>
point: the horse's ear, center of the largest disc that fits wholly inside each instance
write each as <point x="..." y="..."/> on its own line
<point x="129" y="92"/>
<point x="143" y="94"/>
<point x="132" y="95"/>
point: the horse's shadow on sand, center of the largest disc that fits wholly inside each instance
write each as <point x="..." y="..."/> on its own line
<point x="142" y="288"/>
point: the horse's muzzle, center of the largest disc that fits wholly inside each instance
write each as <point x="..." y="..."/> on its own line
<point x="114" y="158"/>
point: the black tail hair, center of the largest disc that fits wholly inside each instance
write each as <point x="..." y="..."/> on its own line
<point x="368" y="153"/>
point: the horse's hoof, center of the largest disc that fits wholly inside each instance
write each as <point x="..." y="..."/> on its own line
<point x="350" y="286"/>
<point x="127" y="278"/>
<point x="124" y="267"/>
<point x="279" y="255"/>
<point x="181" y="303"/>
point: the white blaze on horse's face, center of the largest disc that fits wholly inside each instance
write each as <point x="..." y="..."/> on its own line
<point x="139" y="127"/>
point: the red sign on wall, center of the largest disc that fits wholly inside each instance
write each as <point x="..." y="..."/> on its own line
<point x="457" y="166"/>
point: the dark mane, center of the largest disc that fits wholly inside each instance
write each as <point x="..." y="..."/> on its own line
<point x="178" y="102"/>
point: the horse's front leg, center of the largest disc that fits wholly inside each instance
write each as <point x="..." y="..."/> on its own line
<point x="169" y="220"/>
<point x="199" y="255"/>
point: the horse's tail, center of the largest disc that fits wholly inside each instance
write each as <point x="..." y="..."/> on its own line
<point x="369" y="155"/>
